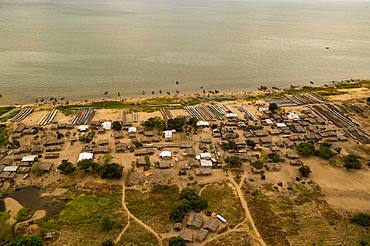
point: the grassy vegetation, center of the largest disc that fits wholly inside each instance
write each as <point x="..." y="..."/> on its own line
<point x="137" y="235"/>
<point x="23" y="214"/>
<point x="83" y="219"/>
<point x="3" y="135"/>
<point x="223" y="200"/>
<point x="9" y="115"/>
<point x="5" y="229"/>
<point x="148" y="105"/>
<point x="349" y="85"/>
<point x="233" y="238"/>
<point x="154" y="207"/>
<point x="4" y="110"/>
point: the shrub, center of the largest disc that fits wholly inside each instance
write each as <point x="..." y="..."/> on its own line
<point x="106" y="224"/>
<point x="233" y="161"/>
<point x="86" y="164"/>
<point x="273" y="107"/>
<point x="116" y="125"/>
<point x="22" y="214"/>
<point x="176" y="241"/>
<point x="229" y="145"/>
<point x="257" y="164"/>
<point x="137" y="144"/>
<point x="352" y="162"/>
<point x="66" y="167"/>
<point x="306" y="149"/>
<point x="250" y="143"/>
<point x="254" y="127"/>
<point x="110" y="171"/>
<point x="176" y="124"/>
<point x="361" y="219"/>
<point x="304" y="171"/>
<point x="325" y="152"/>
<point x="275" y="157"/>
<point x="154" y="123"/>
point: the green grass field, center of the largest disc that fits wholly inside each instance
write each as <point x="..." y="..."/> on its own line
<point x="137" y="235"/>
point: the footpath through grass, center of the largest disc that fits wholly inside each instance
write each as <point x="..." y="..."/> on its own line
<point x="154" y="207"/>
<point x="137" y="235"/>
<point x="223" y="200"/>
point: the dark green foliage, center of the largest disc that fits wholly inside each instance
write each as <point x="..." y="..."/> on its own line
<point x="306" y="149"/>
<point x="32" y="240"/>
<point x="213" y="126"/>
<point x="108" y="242"/>
<point x="106" y="224"/>
<point x="273" y="107"/>
<point x="160" y="188"/>
<point x="304" y="171"/>
<point x="3" y="136"/>
<point x="66" y="167"/>
<point x="86" y="164"/>
<point x="116" y="125"/>
<point x="250" y="143"/>
<point x="361" y="219"/>
<point x="229" y="145"/>
<point x="110" y="171"/>
<point x="176" y="124"/>
<point x="154" y="123"/>
<point x="275" y="157"/>
<point x="233" y="161"/>
<point x="352" y="162"/>
<point x="325" y="152"/>
<point x="189" y="200"/>
<point x="176" y="241"/>
<point x="137" y="144"/>
<point x="22" y="214"/>
<point x="368" y="100"/>
<point x="257" y="164"/>
<point x="254" y="127"/>
<point x="15" y="144"/>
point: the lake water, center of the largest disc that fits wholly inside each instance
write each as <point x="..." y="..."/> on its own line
<point x="81" y="48"/>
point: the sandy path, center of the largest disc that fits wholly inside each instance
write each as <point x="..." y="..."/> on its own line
<point x="13" y="206"/>
<point x="246" y="210"/>
<point x="131" y="216"/>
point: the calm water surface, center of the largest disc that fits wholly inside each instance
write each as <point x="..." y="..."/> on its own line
<point x="81" y="48"/>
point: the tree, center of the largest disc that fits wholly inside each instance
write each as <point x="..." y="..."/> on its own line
<point x="66" y="167"/>
<point x="368" y="100"/>
<point x="352" y="162"/>
<point x="176" y="241"/>
<point x="229" y="145"/>
<point x="325" y="152"/>
<point x="86" y="164"/>
<point x="273" y="107"/>
<point x="275" y="157"/>
<point x="233" y="161"/>
<point x="188" y="194"/>
<point x="304" y="171"/>
<point x="176" y="124"/>
<point x="306" y="149"/>
<point x="361" y="219"/>
<point x="110" y="171"/>
<point x="116" y="125"/>
<point x="257" y="164"/>
<point x="250" y="143"/>
<point x="154" y="123"/>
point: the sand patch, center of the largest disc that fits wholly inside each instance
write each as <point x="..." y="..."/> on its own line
<point x="12" y="206"/>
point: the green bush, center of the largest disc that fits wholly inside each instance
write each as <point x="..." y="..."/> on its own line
<point x="257" y="164"/>
<point x="250" y="143"/>
<point x="106" y="224"/>
<point x="273" y="107"/>
<point x="304" y="171"/>
<point x="154" y="123"/>
<point x="229" y="145"/>
<point x="22" y="214"/>
<point x="86" y="164"/>
<point x="325" y="152"/>
<point x="306" y="149"/>
<point x="176" y="241"/>
<point x="176" y="124"/>
<point x="254" y="127"/>
<point x="110" y="171"/>
<point x="361" y="219"/>
<point x="275" y="157"/>
<point x="233" y="161"/>
<point x="66" y="167"/>
<point x="352" y="162"/>
<point x="116" y="125"/>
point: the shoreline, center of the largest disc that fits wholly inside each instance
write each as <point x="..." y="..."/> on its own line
<point x="222" y="96"/>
